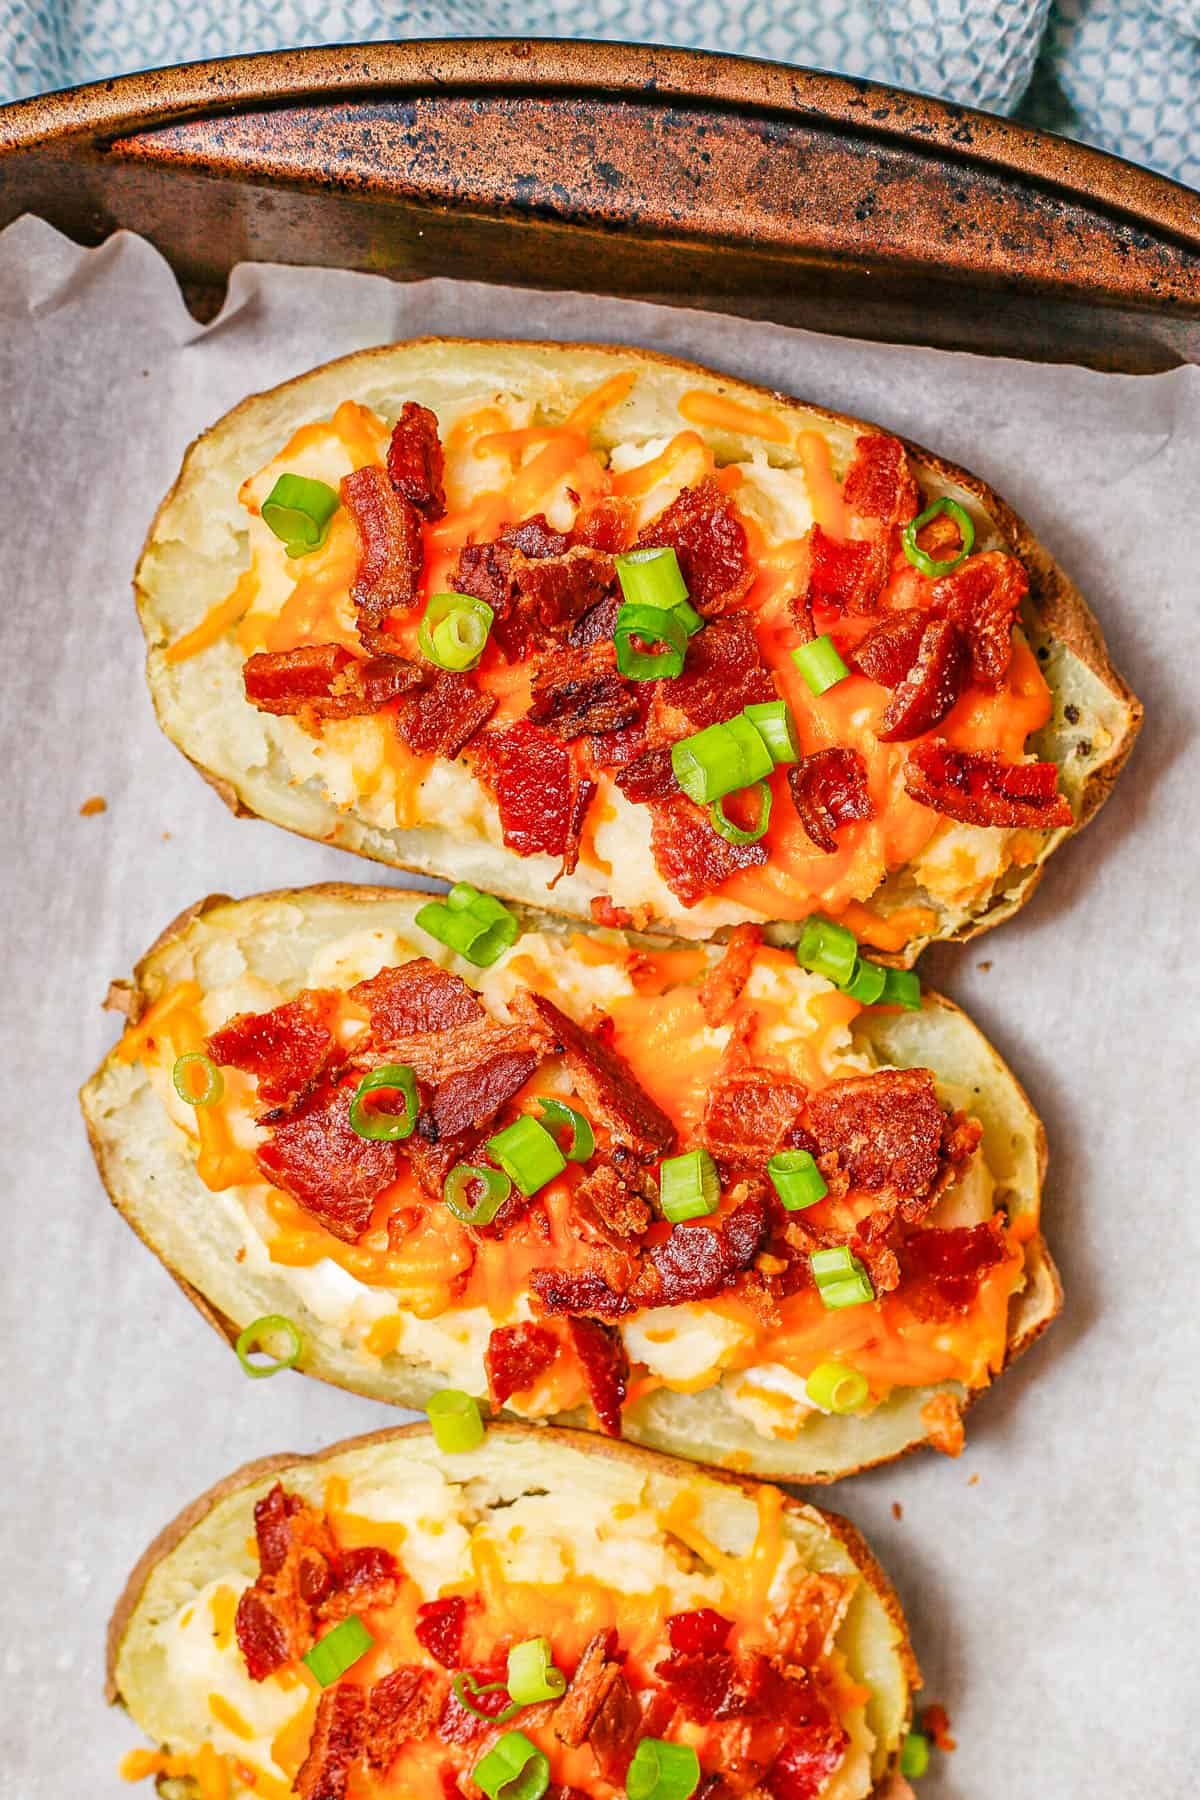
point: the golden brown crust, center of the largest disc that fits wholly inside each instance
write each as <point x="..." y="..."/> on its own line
<point x="650" y="1460"/>
<point x="1053" y="602"/>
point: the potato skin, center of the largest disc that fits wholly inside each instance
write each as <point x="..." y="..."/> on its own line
<point x="680" y="1428"/>
<point x="1055" y="615"/>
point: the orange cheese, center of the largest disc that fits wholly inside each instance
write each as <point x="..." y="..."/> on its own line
<point x="699" y="406"/>
<point x="218" y="619"/>
<point x="824" y="493"/>
<point x="602" y="399"/>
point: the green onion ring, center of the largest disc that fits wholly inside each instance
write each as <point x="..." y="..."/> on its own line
<point x="385" y="1127"/>
<point x="457" y="1185"/>
<point x="214" y="1084"/>
<point x="579" y="1141"/>
<point x="733" y="834"/>
<point x="251" y="1339"/>
<point x="460" y="1684"/>
<point x="917" y="557"/>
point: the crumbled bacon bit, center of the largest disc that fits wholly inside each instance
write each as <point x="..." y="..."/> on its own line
<point x="897" y="1511"/>
<point x="930" y="688"/>
<point x="692" y="858"/>
<point x="403" y="1706"/>
<point x="415" y="462"/>
<point x="390" y="549"/>
<point x="617" y="749"/>
<point x="439" y="1629"/>
<point x="323" y="681"/>
<point x="942" y="1267"/>
<point x="979" y="787"/>
<point x="272" y="1527"/>
<point x="703" y="1686"/>
<point x="609" y="1091"/>
<point x="618" y="1208"/>
<point x="844" y="574"/>
<point x="648" y="776"/>
<point x="457" y="1725"/>
<point x="879" y="484"/>
<point x="697" y="1262"/>
<point x="518" y="1356"/>
<point x="318" y="1158"/>
<point x="982" y="596"/>
<point x="605" y="1368"/>
<point x="605" y="525"/>
<point x="597" y="624"/>
<point x="443" y="718"/>
<point x="286" y="1049"/>
<point x="594" y="1675"/>
<point x="724" y="672"/>
<point x="582" y="795"/>
<point x="699" y="1633"/>
<point x="709" y="539"/>
<point x="412" y="997"/>
<point x="935" y="1724"/>
<point x="532" y="590"/>
<point x="749" y="1115"/>
<point x="829" y="789"/>
<point x="335" y="1745"/>
<point x="470" y="1099"/>
<point x="580" y="1294"/>
<point x="722" y="986"/>
<point x="531" y="774"/>
<point x="536" y="537"/>
<point x="577" y="691"/>
<point x="882" y="1131"/>
<point x="611" y="917"/>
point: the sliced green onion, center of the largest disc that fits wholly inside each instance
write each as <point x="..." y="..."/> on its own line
<point x="724" y="826"/>
<point x="475" y="925"/>
<point x="453" y="630"/>
<point x="298" y="511"/>
<point x="796" y="1179"/>
<point x="820" y="664"/>
<point x="917" y="557"/>
<point x="527" y="1153"/>
<point x="827" y="949"/>
<point x="773" y="721"/>
<point x="464" y="1680"/>
<point x="457" y="1188"/>
<point x="689" y="1186"/>
<point x="579" y="1141"/>
<point x="841" y="1279"/>
<point x="836" y="1387"/>
<point x="514" y="1769"/>
<point x="532" y="1675"/>
<point x="692" y="620"/>
<point x="662" y="1771"/>
<point x="456" y="1421"/>
<point x="651" y="578"/>
<point x="338" y="1650"/>
<point x="901" y="987"/>
<point x="371" y="1122"/>
<point x="251" y="1339"/>
<point x="195" y="1062"/>
<point x="718" y="760"/>
<point x="914" y="1756"/>
<point x="867" y="982"/>
<point x="650" y="625"/>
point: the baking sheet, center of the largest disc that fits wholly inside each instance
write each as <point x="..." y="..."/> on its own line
<point x="1051" y="1574"/>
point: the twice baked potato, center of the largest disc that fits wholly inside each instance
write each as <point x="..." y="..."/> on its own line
<point x="696" y="1195"/>
<point x="368" y="1620"/>
<point x="404" y="604"/>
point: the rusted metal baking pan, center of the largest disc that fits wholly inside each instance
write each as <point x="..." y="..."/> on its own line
<point x="671" y="175"/>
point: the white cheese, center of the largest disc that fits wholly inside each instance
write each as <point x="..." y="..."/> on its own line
<point x="682" y="1343"/>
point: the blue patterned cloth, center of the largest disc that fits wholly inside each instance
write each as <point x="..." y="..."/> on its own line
<point x="1124" y="74"/>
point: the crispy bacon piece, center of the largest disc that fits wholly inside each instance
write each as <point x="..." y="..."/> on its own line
<point x="692" y="858"/>
<point x="262" y="1635"/>
<point x="471" y="1099"/>
<point x="536" y="537"/>
<point x="533" y="583"/>
<point x="723" y="673"/>
<point x="444" y="717"/>
<point x="889" y="650"/>
<point x="704" y="1685"/>
<point x="582" y="794"/>
<point x="439" y="1629"/>
<point x="979" y="787"/>
<point x="584" y="1293"/>
<point x="750" y="1115"/>
<point x="610" y="1093"/>
<point x="414" y="997"/>
<point x="722" y="986"/>
<point x="931" y="686"/>
<point x="941" y="1415"/>
<point x="318" y="1158"/>
<point x="605" y="1369"/>
<point x="648" y="777"/>
<point x="709" y="539"/>
<point x="697" y="1262"/>
<point x="366" y="1576"/>
<point x="404" y="1706"/>
<point x="276" y="1617"/>
<point x="879" y="484"/>
<point x="517" y="1356"/>
<point x="597" y="624"/>
<point x="883" y="1131"/>
<point x="617" y="749"/>
<point x="390" y="550"/>
<point x="335" y="1745"/>
<point x="844" y="574"/>
<point x="605" y="525"/>
<point x="807" y="1762"/>
<point x="531" y="774"/>
<point x="323" y="681"/>
<point x="457" y="1725"/>
<point x="577" y="691"/>
<point x="618" y="1207"/>
<point x="272" y="1527"/>
<point x="286" y="1049"/>
<point x="982" y="596"/>
<point x="415" y="462"/>
<point x="941" y="1267"/>
<point x="829" y="789"/>
<point x="594" y="1675"/>
<point x="702" y="1632"/>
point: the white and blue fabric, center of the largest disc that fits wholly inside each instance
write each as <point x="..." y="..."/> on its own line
<point x="1124" y="74"/>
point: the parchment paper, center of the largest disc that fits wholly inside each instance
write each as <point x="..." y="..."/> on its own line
<point x="1051" y="1575"/>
